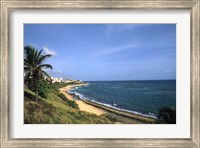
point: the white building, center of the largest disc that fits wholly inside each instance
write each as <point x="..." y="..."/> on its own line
<point x="53" y="80"/>
<point x="56" y="79"/>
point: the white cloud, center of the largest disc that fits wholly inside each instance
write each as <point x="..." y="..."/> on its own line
<point x="112" y="50"/>
<point x="48" y="51"/>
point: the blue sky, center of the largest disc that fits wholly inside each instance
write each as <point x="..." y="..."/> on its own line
<point x="107" y="51"/>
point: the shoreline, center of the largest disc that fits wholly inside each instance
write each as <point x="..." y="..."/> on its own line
<point x="83" y="106"/>
<point x="99" y="109"/>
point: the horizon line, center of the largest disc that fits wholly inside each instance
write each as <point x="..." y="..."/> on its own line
<point x="132" y="80"/>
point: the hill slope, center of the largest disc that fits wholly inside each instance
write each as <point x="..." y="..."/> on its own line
<point x="56" y="109"/>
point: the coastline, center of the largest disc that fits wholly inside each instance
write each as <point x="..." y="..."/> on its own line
<point x="99" y="109"/>
<point x="82" y="105"/>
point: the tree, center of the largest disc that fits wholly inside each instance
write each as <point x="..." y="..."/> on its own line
<point x="34" y="66"/>
<point x="166" y="115"/>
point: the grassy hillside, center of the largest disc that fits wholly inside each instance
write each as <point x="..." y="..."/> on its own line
<point x="56" y="109"/>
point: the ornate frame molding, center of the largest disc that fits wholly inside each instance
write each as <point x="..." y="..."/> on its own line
<point x="6" y="6"/>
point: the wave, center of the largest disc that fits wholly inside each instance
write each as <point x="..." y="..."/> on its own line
<point x="82" y="97"/>
<point x="124" y="110"/>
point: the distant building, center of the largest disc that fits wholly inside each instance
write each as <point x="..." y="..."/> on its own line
<point x="56" y="79"/>
<point x="53" y="80"/>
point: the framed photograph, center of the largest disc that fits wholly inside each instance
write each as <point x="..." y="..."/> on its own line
<point x="100" y="74"/>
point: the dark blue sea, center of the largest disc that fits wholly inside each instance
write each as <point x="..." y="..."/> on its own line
<point x="143" y="97"/>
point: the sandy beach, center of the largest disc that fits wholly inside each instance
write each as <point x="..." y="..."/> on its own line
<point x="99" y="109"/>
<point x="82" y="105"/>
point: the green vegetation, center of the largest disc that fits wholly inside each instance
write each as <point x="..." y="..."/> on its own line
<point x="57" y="109"/>
<point x="43" y="87"/>
<point x="33" y="68"/>
<point x="57" y="85"/>
<point x="71" y="103"/>
<point x="166" y="115"/>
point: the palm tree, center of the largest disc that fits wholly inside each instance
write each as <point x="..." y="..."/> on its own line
<point x="166" y="115"/>
<point x="34" y="67"/>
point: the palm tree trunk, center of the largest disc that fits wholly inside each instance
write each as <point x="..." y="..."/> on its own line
<point x="36" y="95"/>
<point x="36" y="89"/>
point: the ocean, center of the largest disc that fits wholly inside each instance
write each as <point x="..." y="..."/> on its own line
<point x="143" y="97"/>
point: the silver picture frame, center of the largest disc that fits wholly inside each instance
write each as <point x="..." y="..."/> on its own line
<point x="7" y="6"/>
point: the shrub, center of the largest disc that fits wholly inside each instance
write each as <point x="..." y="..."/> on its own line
<point x="43" y="87"/>
<point x="62" y="96"/>
<point x="111" y="118"/>
<point x="71" y="103"/>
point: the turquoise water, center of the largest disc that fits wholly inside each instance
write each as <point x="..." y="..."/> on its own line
<point x="141" y="97"/>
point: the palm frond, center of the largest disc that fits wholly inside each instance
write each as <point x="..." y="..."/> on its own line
<point x="39" y="53"/>
<point x="45" y="66"/>
<point x="27" y="69"/>
<point x="33" y="66"/>
<point x="167" y="115"/>
<point x="27" y="76"/>
<point x="46" y="74"/>
<point x="42" y="58"/>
